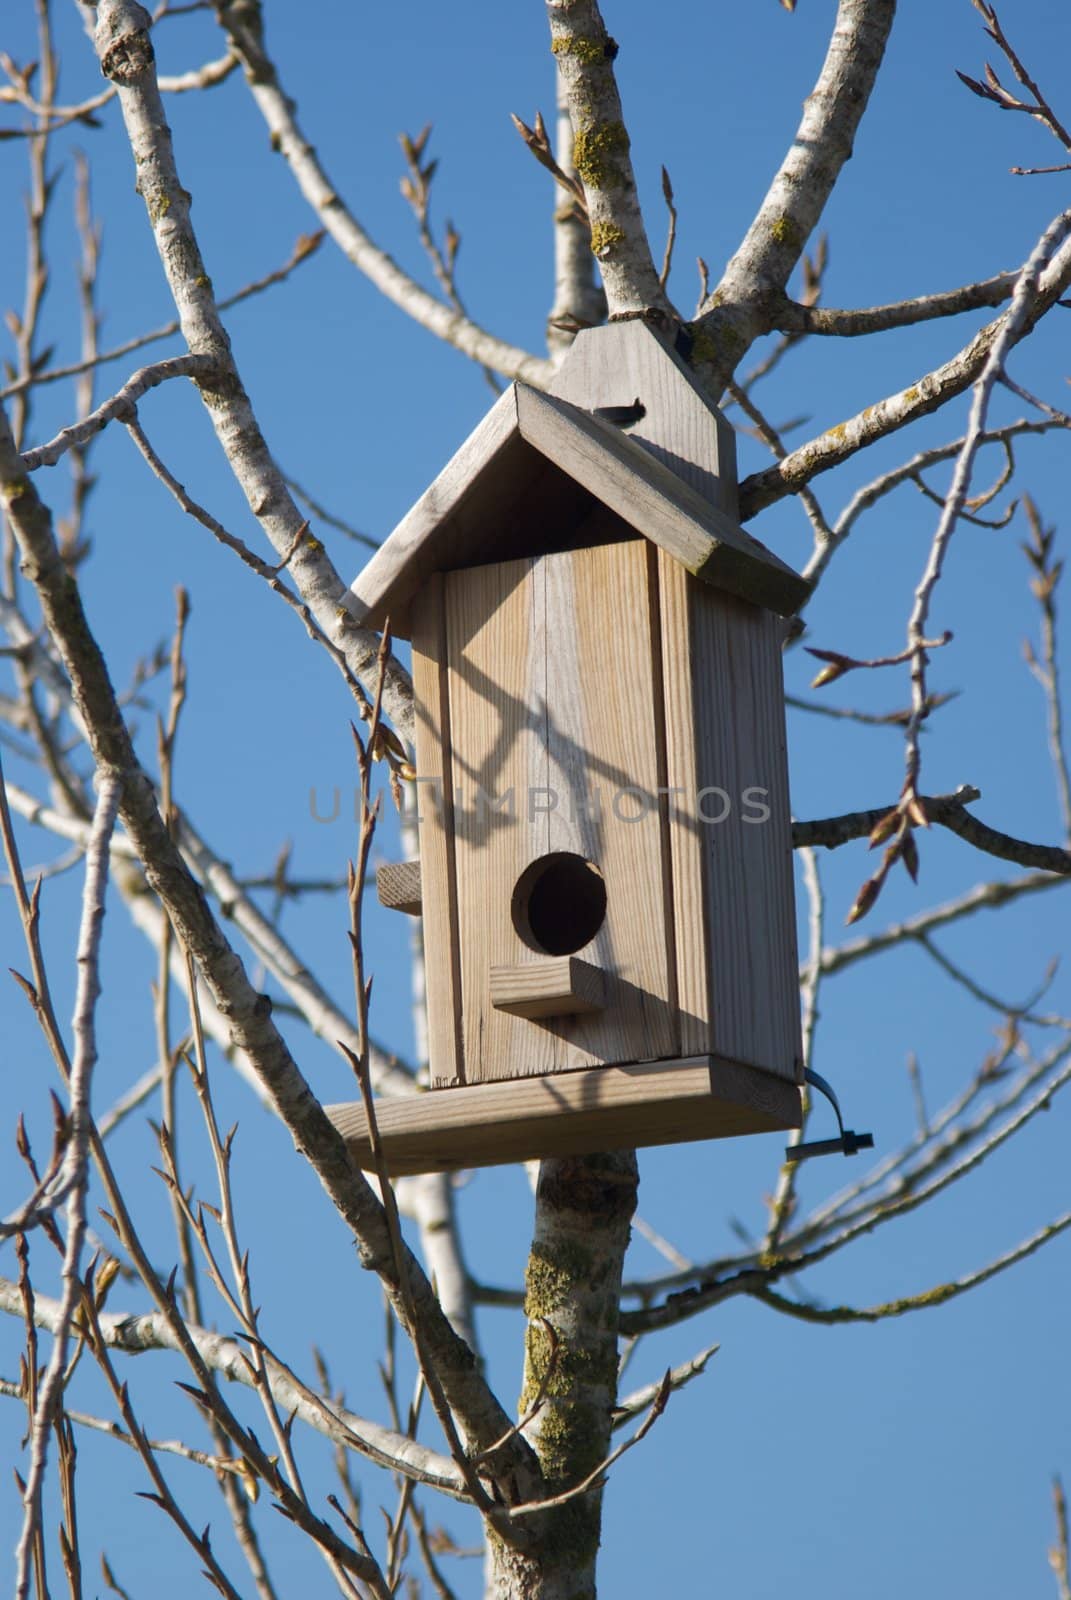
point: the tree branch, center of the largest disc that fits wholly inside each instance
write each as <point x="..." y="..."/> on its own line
<point x="631" y="1405"/>
<point x="756" y="1275"/>
<point x="245" y="32"/>
<point x="796" y="318"/>
<point x="985" y="897"/>
<point x="76" y="1163"/>
<point x="306" y="246"/>
<point x="745" y="303"/>
<point x="919" y="399"/>
<point x="248" y="1013"/>
<point x="950" y="810"/>
<point x="1022" y="308"/>
<point x="121" y="407"/>
<point x="126" y="55"/>
<point x="585" y="55"/>
<point x="579" y="301"/>
<point x="910" y="472"/>
<point x="938" y="1296"/>
<point x="135" y="1334"/>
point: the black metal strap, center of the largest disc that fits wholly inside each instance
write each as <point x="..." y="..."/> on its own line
<point x="849" y="1143"/>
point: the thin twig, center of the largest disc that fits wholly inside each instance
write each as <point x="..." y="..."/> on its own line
<point x="306" y="246"/>
<point x="633" y="1404"/>
<point x="122" y="406"/>
<point x="1058" y="1554"/>
<point x="937" y="1296"/>
<point x="598" y="1474"/>
<point x="1043" y="585"/>
<point x="49" y="1396"/>
<point x="671" y="232"/>
<point x="1023" y="301"/>
<point x="993" y="90"/>
<point x="329" y="517"/>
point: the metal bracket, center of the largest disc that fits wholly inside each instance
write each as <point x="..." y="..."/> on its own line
<point x="849" y="1143"/>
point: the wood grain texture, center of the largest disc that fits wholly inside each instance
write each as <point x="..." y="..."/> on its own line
<point x="415" y="548"/>
<point x="739" y="711"/>
<point x="533" y="471"/>
<point x="551" y="986"/>
<point x="688" y="896"/>
<point x="623" y="361"/>
<point x="573" y="1113"/>
<point x="436" y="826"/>
<point x="552" y="703"/>
<point x="603" y="763"/>
<point x="398" y="887"/>
<point x="498" y="740"/>
<point x="657" y="502"/>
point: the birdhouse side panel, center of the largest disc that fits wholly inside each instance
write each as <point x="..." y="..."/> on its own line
<point x="436" y="833"/>
<point x="751" y="915"/>
<point x="555" y="724"/>
<point x="731" y="838"/>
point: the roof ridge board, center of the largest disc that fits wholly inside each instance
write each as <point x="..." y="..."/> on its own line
<point x="620" y="472"/>
<point x="776" y="585"/>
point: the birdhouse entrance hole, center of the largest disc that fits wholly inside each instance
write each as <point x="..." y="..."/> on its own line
<point x="559" y="903"/>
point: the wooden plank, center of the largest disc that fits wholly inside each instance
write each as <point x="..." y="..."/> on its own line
<point x="739" y="722"/>
<point x="658" y="727"/>
<point x="435" y="810"/>
<point x="603" y="724"/>
<point x="498" y="730"/>
<point x="552" y="706"/>
<point x="689" y="898"/>
<point x="623" y="361"/>
<point x="571" y="1113"/>
<point x="733" y="895"/>
<point x="413" y="550"/>
<point x="554" y="986"/>
<point x="658" y="503"/>
<point x="486" y="491"/>
<point x="398" y="886"/>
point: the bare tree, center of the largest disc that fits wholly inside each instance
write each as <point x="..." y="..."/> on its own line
<point x="233" y="997"/>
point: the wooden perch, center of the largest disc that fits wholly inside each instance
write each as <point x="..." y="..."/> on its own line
<point x="398" y="886"/>
<point x="556" y="986"/>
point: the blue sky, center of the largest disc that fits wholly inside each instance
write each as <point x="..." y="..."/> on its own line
<point x="914" y="1455"/>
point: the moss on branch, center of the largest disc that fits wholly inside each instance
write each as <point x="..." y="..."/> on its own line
<point x="595" y="154"/>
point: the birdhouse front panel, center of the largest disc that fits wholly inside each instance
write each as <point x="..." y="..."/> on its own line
<point x="556" y="754"/>
<point x="604" y="819"/>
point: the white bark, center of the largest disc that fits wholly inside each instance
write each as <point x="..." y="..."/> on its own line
<point x="122" y="41"/>
<point x="75" y="1168"/>
<point x="248" y="1013"/>
<point x="578" y="299"/>
<point x="743" y="305"/>
<point x="245" y="30"/>
<point x="927" y="394"/>
<point x="138" y="1333"/>
<point x="585" y="54"/>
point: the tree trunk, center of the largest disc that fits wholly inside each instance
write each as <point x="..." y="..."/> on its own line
<point x="583" y="1210"/>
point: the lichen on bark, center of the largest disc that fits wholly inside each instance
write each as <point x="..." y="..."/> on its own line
<point x="584" y="1208"/>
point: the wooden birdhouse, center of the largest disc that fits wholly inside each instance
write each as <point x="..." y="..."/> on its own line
<point x="605" y="872"/>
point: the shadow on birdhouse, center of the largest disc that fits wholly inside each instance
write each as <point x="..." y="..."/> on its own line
<point x="605" y="872"/>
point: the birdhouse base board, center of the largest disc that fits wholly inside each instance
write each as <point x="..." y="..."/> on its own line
<point x="570" y="1113"/>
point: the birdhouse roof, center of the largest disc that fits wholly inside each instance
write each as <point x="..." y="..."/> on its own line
<point x="540" y="474"/>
